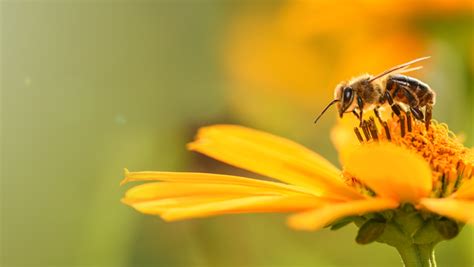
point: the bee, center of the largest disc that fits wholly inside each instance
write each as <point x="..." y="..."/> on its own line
<point x="368" y="92"/>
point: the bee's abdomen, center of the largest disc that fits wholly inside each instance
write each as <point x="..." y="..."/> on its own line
<point x="410" y="90"/>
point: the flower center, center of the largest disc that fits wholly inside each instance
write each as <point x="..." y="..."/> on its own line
<point x="451" y="163"/>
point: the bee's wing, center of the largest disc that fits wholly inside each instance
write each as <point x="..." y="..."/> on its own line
<point x="404" y="70"/>
<point x="400" y="68"/>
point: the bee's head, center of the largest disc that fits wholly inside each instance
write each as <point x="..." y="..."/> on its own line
<point x="346" y="98"/>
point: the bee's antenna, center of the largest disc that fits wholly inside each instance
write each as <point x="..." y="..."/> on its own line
<point x="399" y="67"/>
<point x="326" y="108"/>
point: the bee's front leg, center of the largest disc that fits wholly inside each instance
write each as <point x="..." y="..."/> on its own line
<point x="355" y="114"/>
<point x="360" y="104"/>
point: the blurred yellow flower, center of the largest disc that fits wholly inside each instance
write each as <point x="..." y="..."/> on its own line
<point x="396" y="163"/>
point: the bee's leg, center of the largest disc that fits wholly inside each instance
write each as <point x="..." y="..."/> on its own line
<point x="413" y="103"/>
<point x="386" y="97"/>
<point x="395" y="107"/>
<point x="429" y="113"/>
<point x="355" y="114"/>
<point x="410" y="87"/>
<point x="395" y="84"/>
<point x="360" y="104"/>
<point x="417" y="113"/>
<point x="377" y="114"/>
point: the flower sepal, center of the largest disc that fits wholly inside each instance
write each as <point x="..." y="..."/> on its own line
<point x="403" y="225"/>
<point x="370" y="231"/>
<point x="413" y="233"/>
<point x="358" y="220"/>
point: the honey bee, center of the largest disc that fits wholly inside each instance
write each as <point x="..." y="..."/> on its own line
<point x="368" y="92"/>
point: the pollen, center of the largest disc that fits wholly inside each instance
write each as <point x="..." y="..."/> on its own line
<point x="451" y="163"/>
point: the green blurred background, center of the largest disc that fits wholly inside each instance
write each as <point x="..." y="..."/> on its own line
<point x="91" y="87"/>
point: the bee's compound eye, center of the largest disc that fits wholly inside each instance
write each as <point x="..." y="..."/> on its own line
<point x="347" y="95"/>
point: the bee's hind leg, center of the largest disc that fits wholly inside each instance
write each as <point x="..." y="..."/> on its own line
<point x="417" y="113"/>
<point x="428" y="115"/>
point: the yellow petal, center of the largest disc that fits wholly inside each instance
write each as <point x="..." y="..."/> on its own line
<point x="241" y="205"/>
<point x="391" y="171"/>
<point x="343" y="136"/>
<point x="461" y="210"/>
<point x="320" y="217"/>
<point x="272" y="156"/>
<point x="208" y="178"/>
<point x="180" y="208"/>
<point x="189" y="195"/>
<point x="158" y="206"/>
<point x="466" y="191"/>
<point x="161" y="190"/>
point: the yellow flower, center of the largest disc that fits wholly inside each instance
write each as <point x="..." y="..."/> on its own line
<point x="390" y="166"/>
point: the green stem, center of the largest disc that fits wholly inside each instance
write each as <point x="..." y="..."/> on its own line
<point x="414" y="255"/>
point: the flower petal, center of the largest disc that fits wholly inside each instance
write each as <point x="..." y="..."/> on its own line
<point x="161" y="190"/>
<point x="204" y="206"/>
<point x="461" y="210"/>
<point x="209" y="178"/>
<point x="320" y="217"/>
<point x="189" y="195"/>
<point x="391" y="171"/>
<point x="343" y="137"/>
<point x="466" y="191"/>
<point x="158" y="206"/>
<point x="272" y="156"/>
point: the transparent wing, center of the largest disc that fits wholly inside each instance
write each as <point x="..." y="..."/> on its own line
<point x="400" y="68"/>
<point x="409" y="70"/>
